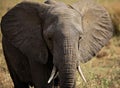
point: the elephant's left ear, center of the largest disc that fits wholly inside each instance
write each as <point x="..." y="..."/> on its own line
<point x="22" y="27"/>
<point x="97" y="27"/>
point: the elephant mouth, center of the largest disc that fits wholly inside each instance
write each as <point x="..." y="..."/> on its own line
<point x="55" y="73"/>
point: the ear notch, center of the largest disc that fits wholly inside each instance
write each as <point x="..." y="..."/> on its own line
<point x="22" y="27"/>
<point x="97" y="27"/>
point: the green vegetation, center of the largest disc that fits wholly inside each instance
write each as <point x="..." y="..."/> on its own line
<point x="101" y="72"/>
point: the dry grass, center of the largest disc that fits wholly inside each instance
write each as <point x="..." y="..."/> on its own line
<point x="5" y="81"/>
<point x="101" y="72"/>
<point x="114" y="9"/>
<point x="104" y="70"/>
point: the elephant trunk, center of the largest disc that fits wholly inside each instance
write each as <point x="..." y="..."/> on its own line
<point x="67" y="69"/>
<point x="65" y="59"/>
<point x="67" y="76"/>
<point x="67" y="65"/>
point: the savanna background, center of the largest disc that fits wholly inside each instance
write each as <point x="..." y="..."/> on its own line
<point x="101" y="72"/>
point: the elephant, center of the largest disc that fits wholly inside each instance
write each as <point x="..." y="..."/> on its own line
<point x="44" y="43"/>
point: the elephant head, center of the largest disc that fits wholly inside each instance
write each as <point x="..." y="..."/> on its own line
<point x="70" y="33"/>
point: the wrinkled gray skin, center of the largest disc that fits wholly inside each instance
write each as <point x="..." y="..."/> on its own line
<point x="38" y="36"/>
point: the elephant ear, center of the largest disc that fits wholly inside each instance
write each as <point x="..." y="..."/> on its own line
<point x="21" y="26"/>
<point x="97" y="27"/>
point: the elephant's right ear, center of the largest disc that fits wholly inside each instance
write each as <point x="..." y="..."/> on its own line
<point x="97" y="28"/>
<point x="22" y="27"/>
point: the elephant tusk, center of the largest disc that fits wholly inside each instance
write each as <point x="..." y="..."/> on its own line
<point x="56" y="75"/>
<point x="53" y="73"/>
<point x="81" y="73"/>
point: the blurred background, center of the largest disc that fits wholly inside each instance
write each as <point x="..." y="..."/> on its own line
<point x="101" y="72"/>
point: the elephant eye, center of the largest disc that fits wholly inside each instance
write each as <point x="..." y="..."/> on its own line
<point x="79" y="42"/>
<point x="80" y="38"/>
<point x="49" y="39"/>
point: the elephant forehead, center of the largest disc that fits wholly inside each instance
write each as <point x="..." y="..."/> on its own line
<point x="67" y="31"/>
<point x="63" y="12"/>
<point x="66" y="20"/>
<point x="69" y="26"/>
